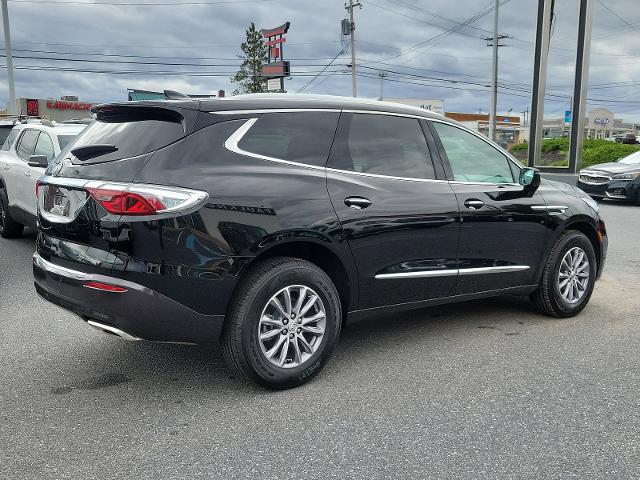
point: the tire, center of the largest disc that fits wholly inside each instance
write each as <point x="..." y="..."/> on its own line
<point x="549" y="298"/>
<point x="9" y="228"/>
<point x="252" y="314"/>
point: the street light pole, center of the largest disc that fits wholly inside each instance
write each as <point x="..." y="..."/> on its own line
<point x="11" y="105"/>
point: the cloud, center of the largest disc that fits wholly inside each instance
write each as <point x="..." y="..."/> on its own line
<point x="386" y="30"/>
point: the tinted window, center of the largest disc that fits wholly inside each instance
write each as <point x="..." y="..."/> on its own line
<point x="383" y="145"/>
<point x="44" y="146"/>
<point x="471" y="158"/>
<point x="64" y="140"/>
<point x="13" y="134"/>
<point x="4" y="133"/>
<point x="303" y="137"/>
<point x="27" y="143"/>
<point x="131" y="132"/>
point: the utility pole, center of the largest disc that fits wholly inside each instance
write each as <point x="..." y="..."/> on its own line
<point x="494" y="78"/>
<point x="495" y="43"/>
<point x="382" y="76"/>
<point x="11" y="105"/>
<point x="350" y="7"/>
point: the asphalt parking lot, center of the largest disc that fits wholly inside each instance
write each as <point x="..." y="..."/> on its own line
<point x="486" y="389"/>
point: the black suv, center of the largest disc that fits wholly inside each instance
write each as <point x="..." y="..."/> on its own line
<point x="265" y="222"/>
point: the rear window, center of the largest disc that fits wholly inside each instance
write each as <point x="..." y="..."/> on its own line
<point x="303" y="137"/>
<point x="131" y="132"/>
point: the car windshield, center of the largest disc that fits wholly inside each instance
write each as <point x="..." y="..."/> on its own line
<point x="633" y="159"/>
<point x="64" y="140"/>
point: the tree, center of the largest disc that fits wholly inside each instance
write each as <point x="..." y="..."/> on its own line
<point x="254" y="54"/>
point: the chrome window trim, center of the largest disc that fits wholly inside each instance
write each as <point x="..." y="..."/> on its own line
<point x="232" y="142"/>
<point x="234" y="139"/>
<point x="452" y="272"/>
<point x="273" y="110"/>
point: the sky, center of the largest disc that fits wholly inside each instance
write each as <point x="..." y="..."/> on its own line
<point x="429" y="49"/>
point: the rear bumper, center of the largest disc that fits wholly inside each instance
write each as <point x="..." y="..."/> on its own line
<point x="138" y="311"/>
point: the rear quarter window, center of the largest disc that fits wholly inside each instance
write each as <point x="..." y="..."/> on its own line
<point x="302" y="137"/>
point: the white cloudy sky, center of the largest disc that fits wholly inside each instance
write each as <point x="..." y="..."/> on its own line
<point x="54" y="35"/>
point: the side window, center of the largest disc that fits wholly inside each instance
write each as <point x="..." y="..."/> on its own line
<point x="13" y="134"/>
<point x="44" y="146"/>
<point x="383" y="145"/>
<point x="471" y="158"/>
<point x="27" y="143"/>
<point x="303" y="137"/>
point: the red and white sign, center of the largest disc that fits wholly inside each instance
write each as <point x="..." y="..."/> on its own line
<point x="62" y="105"/>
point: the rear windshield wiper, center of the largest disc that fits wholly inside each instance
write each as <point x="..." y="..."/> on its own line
<point x="89" y="151"/>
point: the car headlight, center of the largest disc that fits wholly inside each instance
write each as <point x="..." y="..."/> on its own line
<point x="627" y="176"/>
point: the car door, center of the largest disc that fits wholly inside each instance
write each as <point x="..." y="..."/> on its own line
<point x="15" y="176"/>
<point x="27" y="181"/>
<point x="399" y="218"/>
<point x="503" y="229"/>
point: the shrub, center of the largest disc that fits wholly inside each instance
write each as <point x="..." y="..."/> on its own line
<point x="606" y="153"/>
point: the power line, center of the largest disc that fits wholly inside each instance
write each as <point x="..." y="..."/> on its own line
<point x="323" y="70"/>
<point x="447" y="32"/>
<point x="623" y="20"/>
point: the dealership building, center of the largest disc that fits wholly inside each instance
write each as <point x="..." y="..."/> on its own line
<point x="599" y="123"/>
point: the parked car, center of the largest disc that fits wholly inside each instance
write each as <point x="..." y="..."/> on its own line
<point x="265" y="222"/>
<point x="620" y="180"/>
<point x="25" y="154"/>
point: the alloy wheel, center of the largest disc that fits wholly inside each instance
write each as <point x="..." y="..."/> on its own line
<point x="292" y="326"/>
<point x="573" y="278"/>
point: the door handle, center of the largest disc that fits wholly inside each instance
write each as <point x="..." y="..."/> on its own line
<point x="6" y="167"/>
<point x="27" y="173"/>
<point x="357" y="202"/>
<point x="473" y="204"/>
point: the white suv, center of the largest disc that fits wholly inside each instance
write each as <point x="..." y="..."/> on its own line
<point x="24" y="157"/>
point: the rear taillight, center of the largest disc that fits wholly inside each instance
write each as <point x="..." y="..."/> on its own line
<point x="126" y="203"/>
<point x="144" y="200"/>
<point x="38" y="183"/>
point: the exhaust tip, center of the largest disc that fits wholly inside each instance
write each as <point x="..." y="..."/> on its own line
<point x="113" y="331"/>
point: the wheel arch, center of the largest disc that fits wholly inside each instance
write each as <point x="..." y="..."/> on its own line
<point x="588" y="227"/>
<point x="342" y="273"/>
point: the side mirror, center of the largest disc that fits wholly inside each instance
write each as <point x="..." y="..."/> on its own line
<point x="38" y="161"/>
<point x="529" y="178"/>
